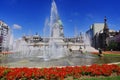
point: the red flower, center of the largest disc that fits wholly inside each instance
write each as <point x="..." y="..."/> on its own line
<point x="58" y="73"/>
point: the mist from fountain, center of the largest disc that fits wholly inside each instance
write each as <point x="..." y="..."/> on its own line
<point x="87" y="43"/>
<point x="55" y="48"/>
<point x="11" y="40"/>
<point x="46" y="29"/>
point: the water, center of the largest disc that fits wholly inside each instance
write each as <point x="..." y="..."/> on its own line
<point x="87" y="44"/>
<point x="55" y="48"/>
<point x="35" y="61"/>
<point x="53" y="53"/>
<point x="56" y="28"/>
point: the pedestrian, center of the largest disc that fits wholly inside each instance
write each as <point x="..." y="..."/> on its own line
<point x="111" y="50"/>
<point x="100" y="52"/>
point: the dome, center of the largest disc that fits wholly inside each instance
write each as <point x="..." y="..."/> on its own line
<point x="60" y="22"/>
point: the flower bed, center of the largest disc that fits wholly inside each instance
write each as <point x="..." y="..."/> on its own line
<point x="56" y="73"/>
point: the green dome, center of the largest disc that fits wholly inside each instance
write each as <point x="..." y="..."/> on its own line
<point x="60" y="22"/>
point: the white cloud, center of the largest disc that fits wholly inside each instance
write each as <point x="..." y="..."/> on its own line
<point x="17" y="27"/>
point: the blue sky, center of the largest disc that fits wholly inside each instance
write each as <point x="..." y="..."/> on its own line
<point x="28" y="16"/>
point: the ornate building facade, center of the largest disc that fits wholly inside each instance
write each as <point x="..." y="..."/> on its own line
<point x="101" y="35"/>
<point x="102" y="38"/>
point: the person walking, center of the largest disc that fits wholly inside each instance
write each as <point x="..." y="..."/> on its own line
<point x="100" y="52"/>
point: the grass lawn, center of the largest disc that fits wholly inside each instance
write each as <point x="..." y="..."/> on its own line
<point x="107" y="58"/>
<point x="111" y="55"/>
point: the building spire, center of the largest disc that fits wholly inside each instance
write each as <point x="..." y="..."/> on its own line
<point x="105" y="19"/>
<point x="106" y="29"/>
<point x="105" y="23"/>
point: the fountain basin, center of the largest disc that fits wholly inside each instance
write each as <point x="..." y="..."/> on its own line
<point x="75" y="59"/>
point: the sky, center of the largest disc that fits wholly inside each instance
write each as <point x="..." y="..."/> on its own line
<point x="28" y="16"/>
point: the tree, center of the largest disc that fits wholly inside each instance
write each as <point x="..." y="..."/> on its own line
<point x="112" y="45"/>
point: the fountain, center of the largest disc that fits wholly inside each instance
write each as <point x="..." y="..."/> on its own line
<point x="55" y="48"/>
<point x="87" y="44"/>
<point x="55" y="52"/>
